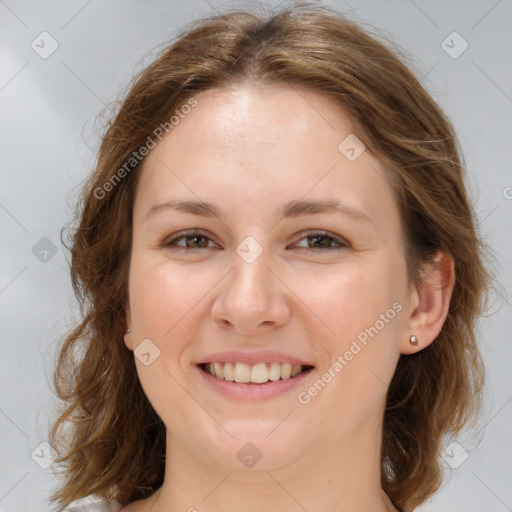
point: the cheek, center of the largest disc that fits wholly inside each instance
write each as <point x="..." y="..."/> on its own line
<point x="350" y="301"/>
<point x="360" y="312"/>
<point x="362" y="319"/>
<point x="161" y="295"/>
<point x="163" y="301"/>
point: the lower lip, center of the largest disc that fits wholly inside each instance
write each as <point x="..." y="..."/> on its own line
<point x="253" y="391"/>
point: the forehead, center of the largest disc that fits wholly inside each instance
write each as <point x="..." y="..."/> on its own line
<point x="248" y="147"/>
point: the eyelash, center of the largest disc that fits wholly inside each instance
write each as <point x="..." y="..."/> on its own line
<point x="342" y="244"/>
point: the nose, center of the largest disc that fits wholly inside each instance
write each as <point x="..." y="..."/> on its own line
<point x="253" y="299"/>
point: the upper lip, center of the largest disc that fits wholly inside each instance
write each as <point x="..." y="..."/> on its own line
<point x="252" y="358"/>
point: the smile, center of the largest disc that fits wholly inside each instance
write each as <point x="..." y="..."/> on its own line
<point x="259" y="373"/>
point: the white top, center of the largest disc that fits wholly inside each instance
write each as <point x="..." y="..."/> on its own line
<point x="93" y="504"/>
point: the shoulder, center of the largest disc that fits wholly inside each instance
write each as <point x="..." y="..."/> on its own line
<point x="93" y="504"/>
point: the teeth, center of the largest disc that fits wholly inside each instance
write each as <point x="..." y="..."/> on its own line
<point x="242" y="372"/>
<point x="296" y="369"/>
<point x="286" y="371"/>
<point x="258" y="373"/>
<point x="275" y="371"/>
<point x="218" y="370"/>
<point x="228" y="372"/>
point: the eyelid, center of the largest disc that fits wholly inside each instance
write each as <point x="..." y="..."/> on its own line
<point x="183" y="234"/>
<point x="342" y="243"/>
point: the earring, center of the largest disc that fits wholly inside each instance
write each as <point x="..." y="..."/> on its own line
<point x="127" y="331"/>
<point x="414" y="341"/>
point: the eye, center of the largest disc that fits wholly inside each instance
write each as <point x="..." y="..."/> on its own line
<point x="191" y="239"/>
<point x="317" y="240"/>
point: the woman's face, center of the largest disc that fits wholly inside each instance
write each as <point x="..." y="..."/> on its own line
<point x="258" y="274"/>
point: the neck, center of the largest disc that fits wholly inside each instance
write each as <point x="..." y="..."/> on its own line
<point x="340" y="477"/>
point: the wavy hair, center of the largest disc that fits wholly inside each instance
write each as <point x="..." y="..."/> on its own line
<point x="109" y="440"/>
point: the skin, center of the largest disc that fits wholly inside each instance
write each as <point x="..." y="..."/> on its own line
<point x="248" y="150"/>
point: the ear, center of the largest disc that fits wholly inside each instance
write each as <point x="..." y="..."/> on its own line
<point x="128" y="336"/>
<point x="429" y="303"/>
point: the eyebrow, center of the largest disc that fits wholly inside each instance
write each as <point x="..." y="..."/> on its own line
<point x="288" y="210"/>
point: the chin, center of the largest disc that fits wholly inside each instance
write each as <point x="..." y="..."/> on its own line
<point x="256" y="444"/>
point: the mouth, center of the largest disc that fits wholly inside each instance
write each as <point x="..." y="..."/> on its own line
<point x="259" y="373"/>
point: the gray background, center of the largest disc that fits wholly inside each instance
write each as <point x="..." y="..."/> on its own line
<point x="48" y="138"/>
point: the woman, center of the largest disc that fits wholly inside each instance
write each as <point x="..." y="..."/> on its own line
<point x="280" y="276"/>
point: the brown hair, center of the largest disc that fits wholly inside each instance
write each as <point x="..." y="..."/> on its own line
<point x="115" y="444"/>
